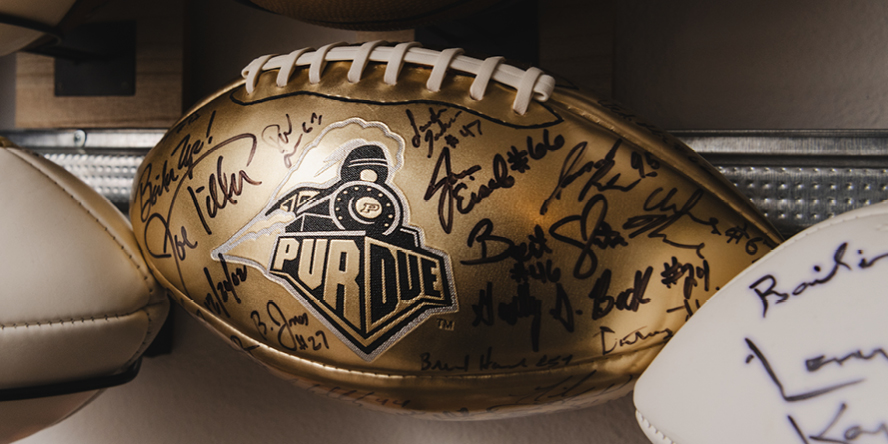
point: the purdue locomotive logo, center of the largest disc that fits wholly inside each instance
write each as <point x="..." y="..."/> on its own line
<point x="344" y="247"/>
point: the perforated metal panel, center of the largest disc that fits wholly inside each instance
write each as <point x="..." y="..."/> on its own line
<point x="110" y="175"/>
<point x="796" y="197"/>
<point x="797" y="178"/>
<point x="105" y="159"/>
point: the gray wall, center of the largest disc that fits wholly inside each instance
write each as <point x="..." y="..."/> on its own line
<point x="754" y="64"/>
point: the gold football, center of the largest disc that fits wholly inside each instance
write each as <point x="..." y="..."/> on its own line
<point x="437" y="235"/>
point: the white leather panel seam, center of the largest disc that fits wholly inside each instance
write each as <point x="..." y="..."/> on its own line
<point x="133" y="260"/>
<point x="62" y="322"/>
<point x="652" y="431"/>
<point x="149" y="335"/>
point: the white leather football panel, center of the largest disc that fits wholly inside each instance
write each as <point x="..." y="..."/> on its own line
<point x="49" y="353"/>
<point x="26" y="417"/>
<point x="77" y="300"/>
<point x="65" y="256"/>
<point x="13" y="38"/>
<point x="651" y="432"/>
<point x="117" y="224"/>
<point x="754" y="367"/>
<point x="109" y="217"/>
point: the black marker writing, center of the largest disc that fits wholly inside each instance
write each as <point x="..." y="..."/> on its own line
<point x="150" y="189"/>
<point x="573" y="169"/>
<point x="519" y="160"/>
<point x="426" y="364"/>
<point x="221" y="189"/>
<point x="631" y="338"/>
<point x="452" y="186"/>
<point x="424" y="132"/>
<point x="773" y="375"/>
<point x="279" y="137"/>
<point x="494" y="248"/>
<point x="675" y="271"/>
<point x="849" y="434"/>
<point x="488" y="363"/>
<point x="767" y="285"/>
<point x="628" y="300"/>
<point x="523" y="305"/>
<point x="594" y="231"/>
<point x="220" y="291"/>
<point x="180" y="245"/>
<point x="663" y="213"/>
<point x="814" y="364"/>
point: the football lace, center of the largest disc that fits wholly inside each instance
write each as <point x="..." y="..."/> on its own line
<point x="530" y="84"/>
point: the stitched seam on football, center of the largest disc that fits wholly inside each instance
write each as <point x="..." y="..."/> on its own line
<point x="145" y="276"/>
<point x="647" y="424"/>
<point x="589" y="362"/>
<point x="61" y="322"/>
<point x="150" y="333"/>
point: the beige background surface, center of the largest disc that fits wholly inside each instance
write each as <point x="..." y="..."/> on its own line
<point x="682" y="64"/>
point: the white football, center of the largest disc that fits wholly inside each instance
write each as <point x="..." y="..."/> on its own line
<point x="793" y="350"/>
<point x="78" y="305"/>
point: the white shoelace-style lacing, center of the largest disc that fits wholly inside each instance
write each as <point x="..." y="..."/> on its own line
<point x="529" y="85"/>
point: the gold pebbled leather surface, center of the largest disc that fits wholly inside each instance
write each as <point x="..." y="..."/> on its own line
<point x="554" y="252"/>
